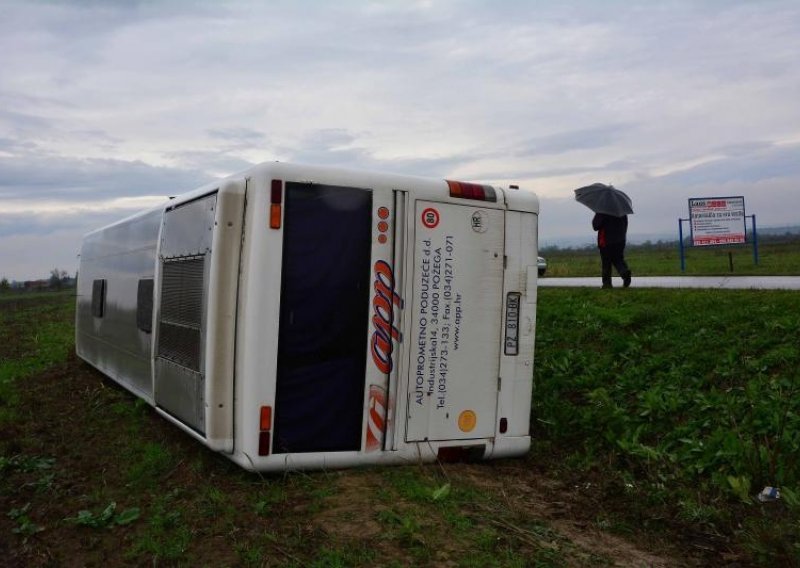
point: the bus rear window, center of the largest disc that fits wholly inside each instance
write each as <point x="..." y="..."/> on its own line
<point x="324" y="318"/>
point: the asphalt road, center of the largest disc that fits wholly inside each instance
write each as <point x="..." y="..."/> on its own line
<point x="724" y="282"/>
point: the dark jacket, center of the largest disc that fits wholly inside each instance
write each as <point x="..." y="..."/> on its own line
<point x="610" y="230"/>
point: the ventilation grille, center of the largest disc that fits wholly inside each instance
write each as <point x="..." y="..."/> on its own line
<point x="179" y="328"/>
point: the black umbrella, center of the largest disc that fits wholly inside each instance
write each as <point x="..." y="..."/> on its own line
<point x="602" y="198"/>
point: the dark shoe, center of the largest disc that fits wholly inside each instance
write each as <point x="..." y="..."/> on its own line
<point x="607" y="283"/>
<point x="626" y="279"/>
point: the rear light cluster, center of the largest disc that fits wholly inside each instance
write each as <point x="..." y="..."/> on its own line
<point x="265" y="427"/>
<point x="465" y="190"/>
<point x="275" y="201"/>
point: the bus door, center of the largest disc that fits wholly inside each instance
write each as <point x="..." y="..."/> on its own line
<point x="456" y="322"/>
<point x="324" y="318"/>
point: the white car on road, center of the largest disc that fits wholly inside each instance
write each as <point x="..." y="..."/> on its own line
<point x="541" y="264"/>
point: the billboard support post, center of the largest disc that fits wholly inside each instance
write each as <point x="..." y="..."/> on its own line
<point x="680" y="244"/>
<point x="755" y="239"/>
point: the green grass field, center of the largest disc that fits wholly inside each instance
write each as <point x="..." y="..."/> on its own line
<point x="774" y="259"/>
<point x="658" y="416"/>
<point x="687" y="400"/>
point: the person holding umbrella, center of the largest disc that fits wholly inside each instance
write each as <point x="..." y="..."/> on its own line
<point x="611" y="207"/>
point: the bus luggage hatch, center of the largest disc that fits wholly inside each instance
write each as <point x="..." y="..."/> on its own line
<point x="455" y="334"/>
<point x="179" y="363"/>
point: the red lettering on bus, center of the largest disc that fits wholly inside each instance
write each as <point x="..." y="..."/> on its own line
<point x="376" y="418"/>
<point x="383" y="302"/>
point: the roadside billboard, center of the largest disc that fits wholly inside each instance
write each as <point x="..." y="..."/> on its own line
<point x="717" y="220"/>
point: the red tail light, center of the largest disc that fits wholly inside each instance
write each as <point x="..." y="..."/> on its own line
<point x="265" y="425"/>
<point x="266" y="418"/>
<point x="465" y="190"/>
<point x="276" y="198"/>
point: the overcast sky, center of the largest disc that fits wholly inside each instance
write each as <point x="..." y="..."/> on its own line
<point x="106" y="107"/>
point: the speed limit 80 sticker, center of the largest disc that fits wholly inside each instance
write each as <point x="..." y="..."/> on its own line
<point x="430" y="217"/>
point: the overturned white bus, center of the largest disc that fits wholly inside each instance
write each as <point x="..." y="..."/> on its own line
<point x="296" y="317"/>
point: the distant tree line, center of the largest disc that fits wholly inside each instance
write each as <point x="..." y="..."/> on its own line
<point x="59" y="280"/>
<point x="764" y="238"/>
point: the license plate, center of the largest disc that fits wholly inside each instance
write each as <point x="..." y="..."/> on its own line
<point x="512" y="323"/>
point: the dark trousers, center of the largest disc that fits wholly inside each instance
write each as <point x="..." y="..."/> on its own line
<point x="613" y="254"/>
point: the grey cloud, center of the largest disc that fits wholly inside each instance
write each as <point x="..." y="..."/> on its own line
<point x="10" y="98"/>
<point x="208" y="161"/>
<point x="97" y="135"/>
<point x="89" y="18"/>
<point x="429" y="167"/>
<point x="46" y="224"/>
<point x="24" y="121"/>
<point x="15" y="145"/>
<point x="743" y="148"/>
<point x="236" y="135"/>
<point x="325" y="147"/>
<point x="569" y="141"/>
<point x="519" y="173"/>
<point x="48" y="177"/>
<point x="759" y="162"/>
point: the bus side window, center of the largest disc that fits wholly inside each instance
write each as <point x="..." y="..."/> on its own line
<point x="98" y="298"/>
<point x="144" y="305"/>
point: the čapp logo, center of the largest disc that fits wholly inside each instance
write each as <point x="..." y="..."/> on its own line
<point x="385" y="332"/>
